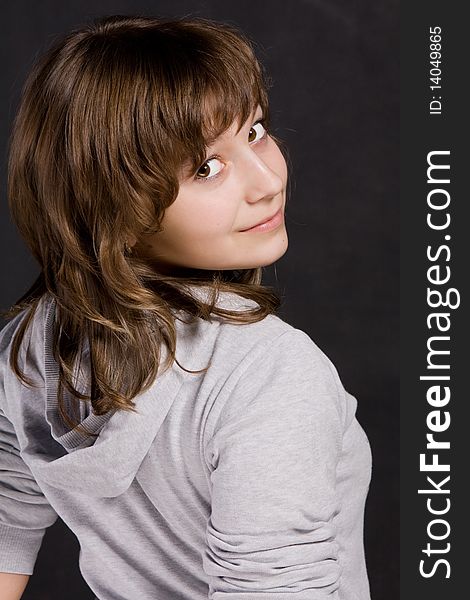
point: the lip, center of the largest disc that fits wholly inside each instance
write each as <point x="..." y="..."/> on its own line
<point x="268" y="224"/>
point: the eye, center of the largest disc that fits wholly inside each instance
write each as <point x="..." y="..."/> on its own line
<point x="258" y="128"/>
<point x="205" y="171"/>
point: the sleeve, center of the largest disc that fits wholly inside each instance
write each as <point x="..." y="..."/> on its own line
<point x="271" y="534"/>
<point x="24" y="511"/>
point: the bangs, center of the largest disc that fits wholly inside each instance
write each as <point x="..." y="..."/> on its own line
<point x="226" y="102"/>
<point x="219" y="109"/>
<point x="207" y="82"/>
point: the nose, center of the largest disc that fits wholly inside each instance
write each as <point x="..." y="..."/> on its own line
<point x="262" y="177"/>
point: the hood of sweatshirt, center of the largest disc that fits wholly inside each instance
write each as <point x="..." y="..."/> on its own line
<point x="103" y="465"/>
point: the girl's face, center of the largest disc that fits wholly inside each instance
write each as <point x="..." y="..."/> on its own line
<point x="241" y="184"/>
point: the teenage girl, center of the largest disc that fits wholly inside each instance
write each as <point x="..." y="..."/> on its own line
<point x="196" y="444"/>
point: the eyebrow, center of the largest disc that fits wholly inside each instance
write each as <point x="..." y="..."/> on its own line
<point x="250" y="118"/>
<point x="257" y="107"/>
<point x="189" y="167"/>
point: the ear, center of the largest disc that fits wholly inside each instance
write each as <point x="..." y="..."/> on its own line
<point x="131" y="240"/>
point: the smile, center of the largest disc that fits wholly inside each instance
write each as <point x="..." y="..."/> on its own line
<point x="270" y="224"/>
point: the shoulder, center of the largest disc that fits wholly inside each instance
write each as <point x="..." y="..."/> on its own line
<point x="282" y="371"/>
<point x="284" y="355"/>
<point x="272" y="344"/>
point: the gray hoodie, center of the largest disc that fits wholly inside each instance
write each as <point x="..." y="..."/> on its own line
<point x="243" y="483"/>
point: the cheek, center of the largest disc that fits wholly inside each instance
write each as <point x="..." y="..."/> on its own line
<point x="202" y="215"/>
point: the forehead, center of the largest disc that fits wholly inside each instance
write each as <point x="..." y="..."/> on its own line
<point x="233" y="129"/>
<point x="219" y="110"/>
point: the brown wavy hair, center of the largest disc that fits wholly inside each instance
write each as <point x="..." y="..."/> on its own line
<point x="107" y="117"/>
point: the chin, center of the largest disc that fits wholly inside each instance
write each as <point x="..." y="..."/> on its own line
<point x="260" y="255"/>
<point x="268" y="256"/>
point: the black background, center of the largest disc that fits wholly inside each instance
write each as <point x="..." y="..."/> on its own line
<point x="335" y="102"/>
